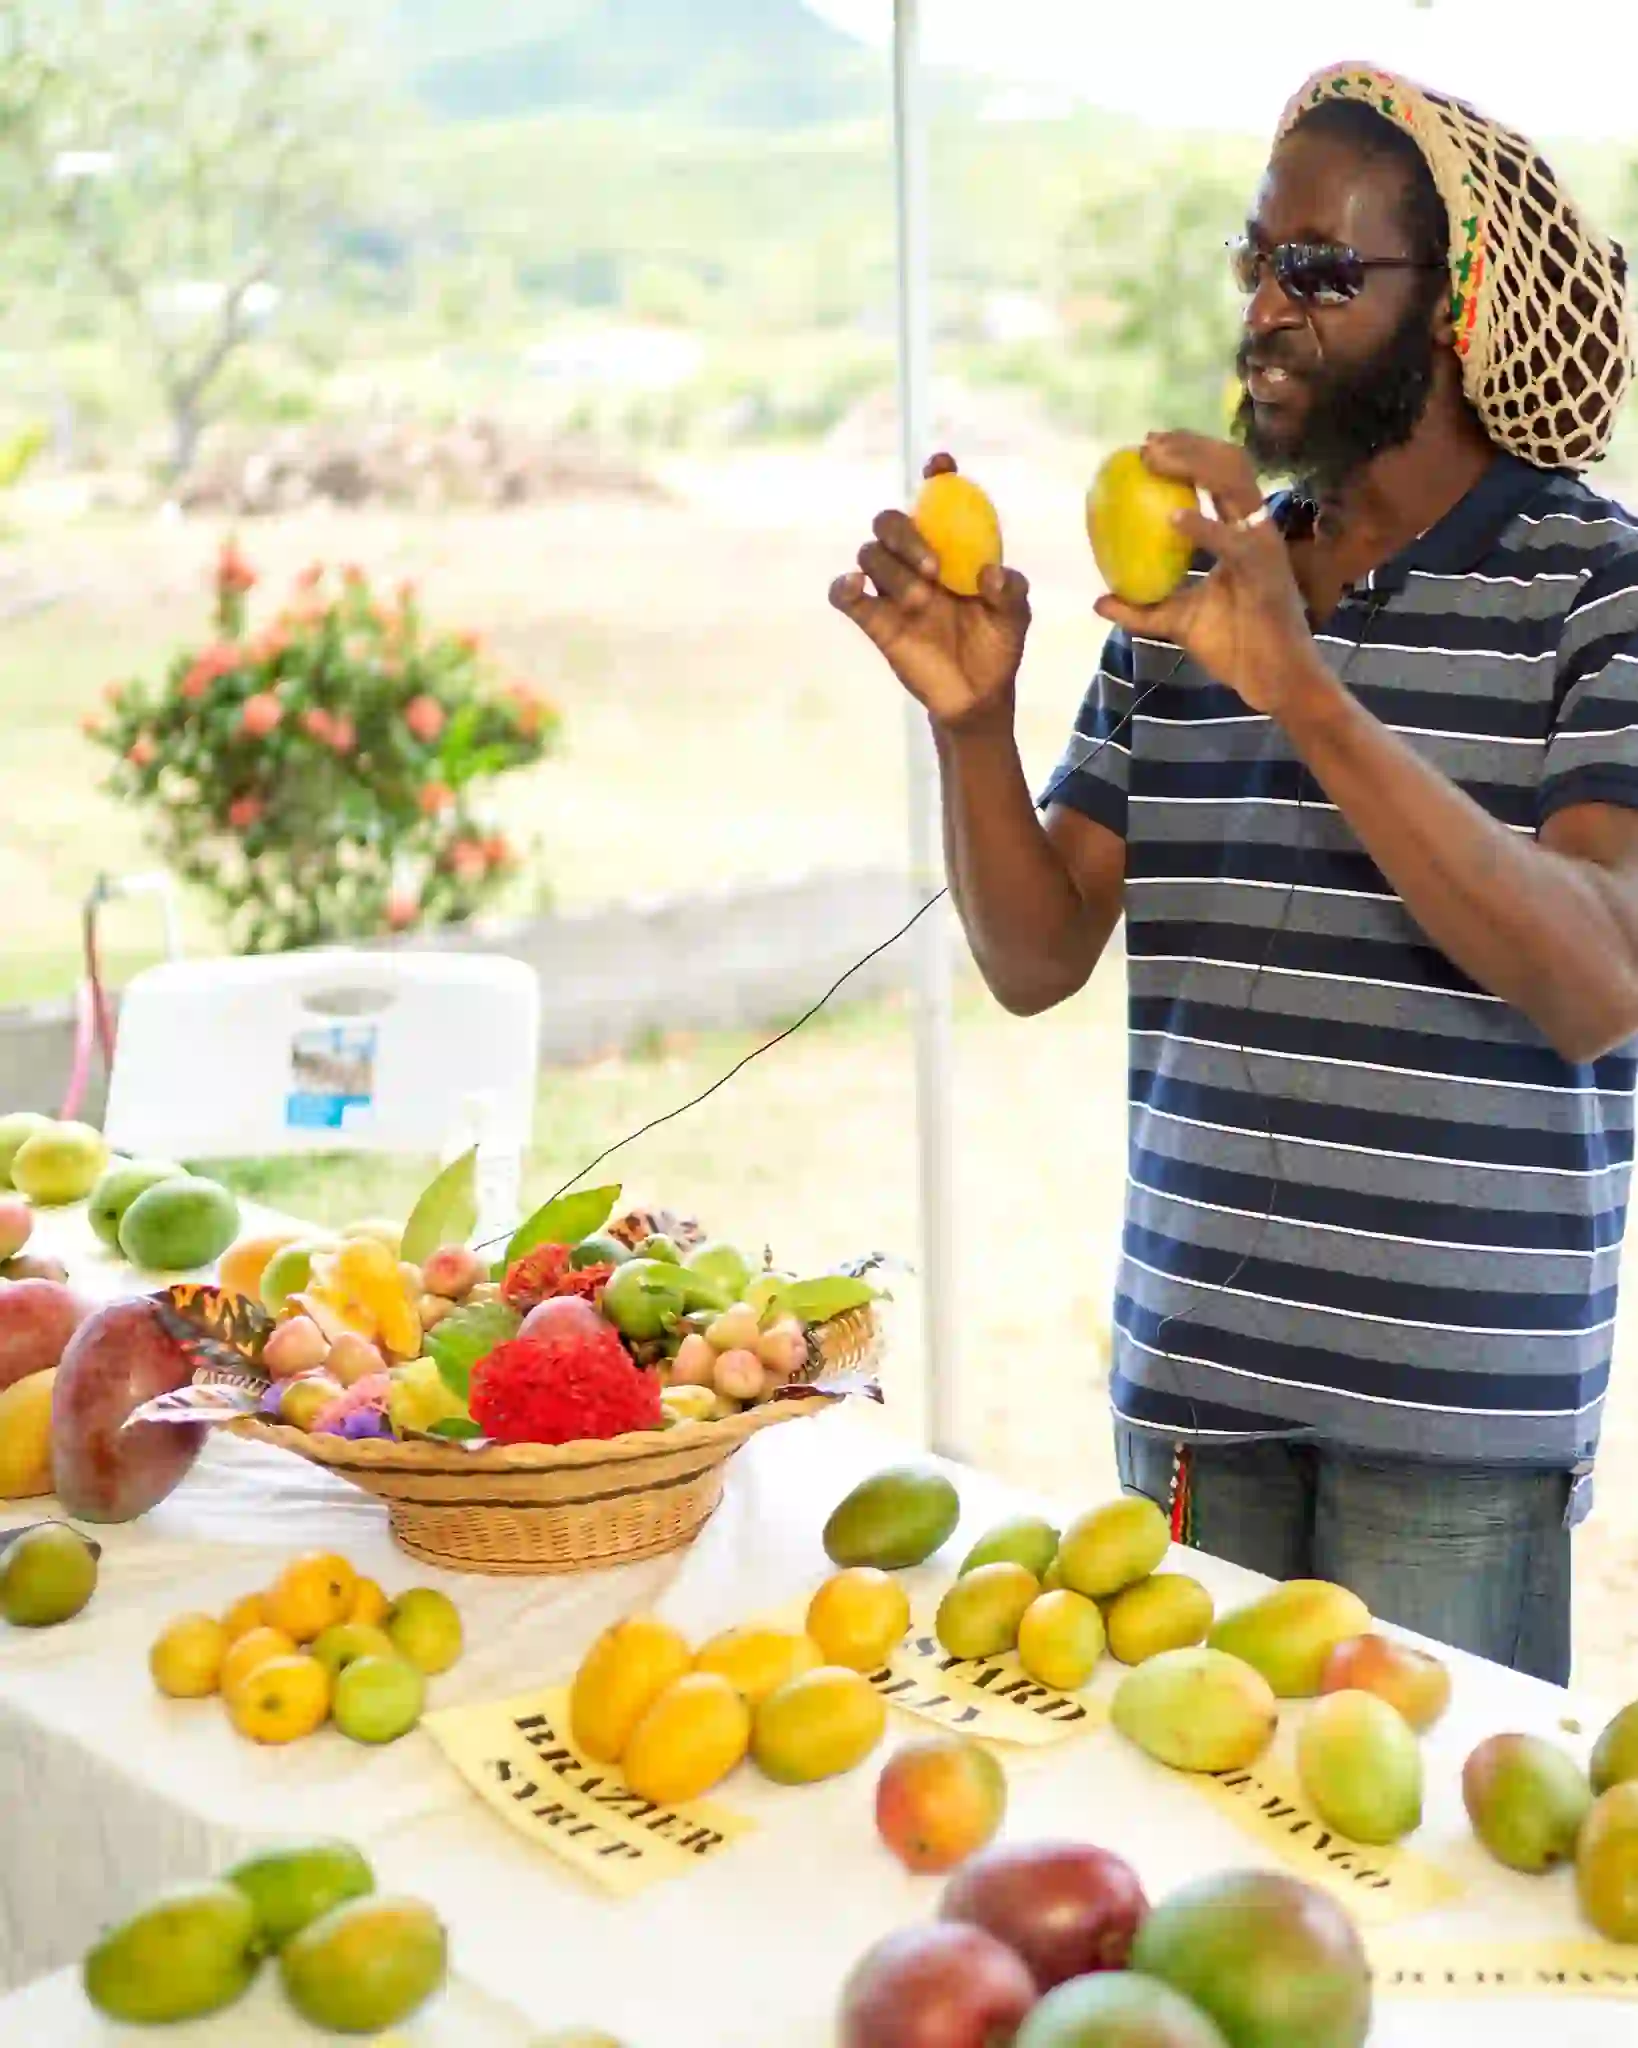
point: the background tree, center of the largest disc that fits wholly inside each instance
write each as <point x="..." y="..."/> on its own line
<point x="188" y="160"/>
<point x="1147" y="269"/>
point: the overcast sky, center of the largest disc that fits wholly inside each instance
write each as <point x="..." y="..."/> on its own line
<point x="1564" y="71"/>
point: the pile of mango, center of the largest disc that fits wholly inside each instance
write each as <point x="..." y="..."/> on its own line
<point x="1202" y="1692"/>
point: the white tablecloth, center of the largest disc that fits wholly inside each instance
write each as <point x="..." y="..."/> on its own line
<point x="108" y="1791"/>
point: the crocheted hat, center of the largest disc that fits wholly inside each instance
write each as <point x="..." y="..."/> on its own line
<point x="1538" y="296"/>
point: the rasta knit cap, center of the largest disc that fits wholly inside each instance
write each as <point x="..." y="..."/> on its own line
<point x="1538" y="298"/>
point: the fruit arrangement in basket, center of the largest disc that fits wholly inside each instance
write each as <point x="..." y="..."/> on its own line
<point x="637" y="1324"/>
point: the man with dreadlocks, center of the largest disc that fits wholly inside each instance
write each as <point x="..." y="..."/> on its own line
<point x="1366" y="790"/>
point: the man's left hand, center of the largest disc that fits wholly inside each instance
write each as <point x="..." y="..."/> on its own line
<point x="1245" y="624"/>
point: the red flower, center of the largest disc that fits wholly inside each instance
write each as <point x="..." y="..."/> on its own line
<point x="561" y="1386"/>
<point x="311" y="577"/>
<point x="343" y="733"/>
<point x="402" y="911"/>
<point x="271" y="643"/>
<point x="497" y="850"/>
<point x="244" y="811"/>
<point x="353" y="576"/>
<point x="545" y="1273"/>
<point x="533" y="707"/>
<point x="213" y="662"/>
<point x="316" y="724"/>
<point x="436" y="797"/>
<point x="91" y="725"/>
<point x="141" y="752"/>
<point x="424" y="716"/>
<point x="533" y="1278"/>
<point x="261" y="714"/>
<point x="467" y="862"/>
<point x="233" y="573"/>
<point x="469" y="642"/>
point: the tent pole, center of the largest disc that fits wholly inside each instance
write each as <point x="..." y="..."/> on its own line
<point x="931" y="938"/>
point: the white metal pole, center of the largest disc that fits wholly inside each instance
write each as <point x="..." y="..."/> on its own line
<point x="932" y="1018"/>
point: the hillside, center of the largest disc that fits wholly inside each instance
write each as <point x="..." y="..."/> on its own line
<point x="745" y="63"/>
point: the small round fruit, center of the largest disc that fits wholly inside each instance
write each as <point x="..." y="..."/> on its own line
<point x="695" y="1364"/>
<point x="740" y="1375"/>
<point x="1129" y="514"/>
<point x="980" y="1614"/>
<point x="939" y="1801"/>
<point x="292" y="1886"/>
<point x="453" y="1272"/>
<point x="378" y="1699"/>
<point x="241" y="1266"/>
<point x="1606" y="1864"/>
<point x="859" y="1617"/>
<point x="1615" y="1753"/>
<point x="937" y="1986"/>
<point x="619" y="1679"/>
<point x="1068" y="1908"/>
<point x="1022" y="1539"/>
<point x="257" y="1646"/>
<point x="245" y="1614"/>
<point x="288" y="1272"/>
<point x="186" y="1657"/>
<point x="369" y="1604"/>
<point x="347" y="1642"/>
<point x="757" y="1661"/>
<point x="47" y="1575"/>
<point x="311" y="1594"/>
<point x="689" y="1740"/>
<point x="819" y="1725"/>
<point x="281" y="1700"/>
<point x="352" y="1358"/>
<point x="1060" y="1639"/>
<point x="1122" y="2010"/>
<point x="425" y="1626"/>
<point x="959" y="524"/>
<point x="365" y="1966"/>
<point x="298" y="1345"/>
<point x="190" y="1953"/>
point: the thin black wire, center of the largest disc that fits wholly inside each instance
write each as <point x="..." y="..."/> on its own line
<point x="841" y="980"/>
<point x="1205" y="1289"/>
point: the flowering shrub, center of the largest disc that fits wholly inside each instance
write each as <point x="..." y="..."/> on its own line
<point x="321" y="778"/>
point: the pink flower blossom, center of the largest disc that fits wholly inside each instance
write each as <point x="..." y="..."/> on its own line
<point x="424" y="716"/>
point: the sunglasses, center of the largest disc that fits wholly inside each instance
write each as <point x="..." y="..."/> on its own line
<point x="1312" y="273"/>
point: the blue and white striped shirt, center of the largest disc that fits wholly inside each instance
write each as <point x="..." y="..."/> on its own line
<point x="1367" y="1201"/>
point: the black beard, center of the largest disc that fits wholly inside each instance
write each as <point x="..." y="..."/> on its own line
<point x="1354" y="414"/>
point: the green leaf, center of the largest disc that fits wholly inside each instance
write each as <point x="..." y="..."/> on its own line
<point x="822" y="1300"/>
<point x="447" y="1212"/>
<point x="565" y="1221"/>
<point x="458" y="1429"/>
<point x="469" y="1334"/>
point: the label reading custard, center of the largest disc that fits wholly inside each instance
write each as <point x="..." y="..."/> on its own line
<point x="991" y="1698"/>
<point x="517" y="1756"/>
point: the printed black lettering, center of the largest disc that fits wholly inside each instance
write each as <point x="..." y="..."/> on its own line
<point x="702" y="1841"/>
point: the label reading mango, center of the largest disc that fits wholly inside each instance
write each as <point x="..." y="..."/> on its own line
<point x="1507" y="1969"/>
<point x="1377" y="1884"/>
<point x="517" y="1756"/>
<point x="993" y="1699"/>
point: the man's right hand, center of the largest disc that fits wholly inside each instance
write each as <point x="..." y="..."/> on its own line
<point x="957" y="656"/>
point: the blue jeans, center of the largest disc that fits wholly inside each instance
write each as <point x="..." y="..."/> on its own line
<point x="1474" y="1556"/>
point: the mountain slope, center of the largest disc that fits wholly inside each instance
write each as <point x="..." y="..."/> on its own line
<point x="751" y="63"/>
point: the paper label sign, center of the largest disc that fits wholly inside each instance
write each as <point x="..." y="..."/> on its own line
<point x="993" y="1699"/>
<point x="1506" y="1969"/>
<point x="516" y="1755"/>
<point x="1376" y="1884"/>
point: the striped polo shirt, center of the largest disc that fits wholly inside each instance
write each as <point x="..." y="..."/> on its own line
<point x="1367" y="1202"/>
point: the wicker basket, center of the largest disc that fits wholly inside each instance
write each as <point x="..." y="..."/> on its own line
<point x="539" y="1508"/>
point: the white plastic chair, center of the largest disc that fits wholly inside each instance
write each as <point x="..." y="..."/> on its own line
<point x="335" y="1050"/>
